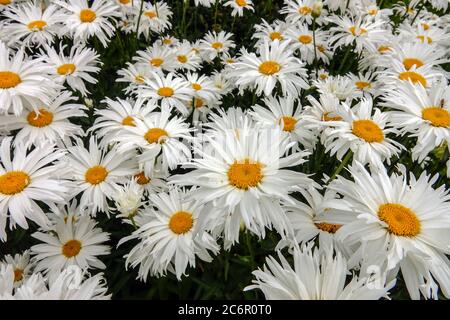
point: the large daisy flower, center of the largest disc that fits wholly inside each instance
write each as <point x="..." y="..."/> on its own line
<point x="401" y="221"/>
<point x="28" y="178"/>
<point x="214" y="44"/>
<point x="241" y="172"/>
<point x="22" y="80"/>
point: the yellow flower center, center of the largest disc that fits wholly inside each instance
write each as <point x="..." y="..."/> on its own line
<point x="141" y="178"/>
<point x="289" y="123"/>
<point x="275" y="36"/>
<point x="5" y="2"/>
<point x="196" y="86"/>
<point x="241" y="3"/>
<point x="199" y="103"/>
<point x="156" y="62"/>
<point x="128" y="121"/>
<point x="182" y="59"/>
<point x="244" y="175"/>
<point x="156" y="135"/>
<point x="37" y="25"/>
<point x="328" y="227"/>
<point x="18" y="274"/>
<point x="165" y="92"/>
<point x="87" y="15"/>
<point x="9" y="79"/>
<point x="13" y="182"/>
<point x="305" y="10"/>
<point x="167" y="41"/>
<point x="269" y="67"/>
<point x="383" y="49"/>
<point x="425" y="26"/>
<point x="217" y="45"/>
<point x="356" y="32"/>
<point x="124" y="1"/>
<point x="323" y="76"/>
<point x="437" y="116"/>
<point x="71" y="248"/>
<point x="181" y="222"/>
<point x="367" y="130"/>
<point x="362" y="85"/>
<point x="423" y="38"/>
<point x="96" y="175"/>
<point x="327" y="116"/>
<point x="414" y="77"/>
<point x="401" y="220"/>
<point x="65" y="69"/>
<point x="410" y="62"/>
<point x="41" y="119"/>
<point x="372" y="12"/>
<point x="305" y="38"/>
<point x="150" y="14"/>
<point x="321" y="48"/>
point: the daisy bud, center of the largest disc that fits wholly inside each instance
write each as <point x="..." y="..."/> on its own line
<point x="88" y="102"/>
<point x="317" y="9"/>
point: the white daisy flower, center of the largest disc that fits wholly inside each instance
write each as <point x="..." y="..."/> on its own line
<point x="21" y="266"/>
<point x="85" y="21"/>
<point x="49" y="123"/>
<point x="423" y="113"/>
<point x="154" y="135"/>
<point x="31" y="25"/>
<point x="171" y="91"/>
<point x="71" y="243"/>
<point x="401" y="221"/>
<point x="118" y="113"/>
<point x="22" y="80"/>
<point x="214" y="44"/>
<point x="302" y="40"/>
<point x="205" y="3"/>
<point x="75" y="69"/>
<point x="158" y="58"/>
<point x="316" y="275"/>
<point x="28" y="178"/>
<point x="238" y="6"/>
<point x="96" y="173"/>
<point x="155" y="18"/>
<point x="270" y="32"/>
<point x="339" y="86"/>
<point x="275" y="64"/>
<point x="241" y="172"/>
<point x="362" y="133"/>
<point x="298" y="11"/>
<point x="186" y="56"/>
<point x="128" y="199"/>
<point x="134" y="75"/>
<point x="171" y="237"/>
<point x="287" y="114"/>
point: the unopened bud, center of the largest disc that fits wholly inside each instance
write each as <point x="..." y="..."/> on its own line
<point x="317" y="9"/>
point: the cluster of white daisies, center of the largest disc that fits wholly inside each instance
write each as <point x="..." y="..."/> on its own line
<point x="191" y="173"/>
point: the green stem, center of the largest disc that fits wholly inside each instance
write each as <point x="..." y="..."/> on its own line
<point x="344" y="162"/>
<point x="418" y="11"/>
<point x="183" y="18"/>
<point x="134" y="223"/>
<point x="216" y="11"/>
<point x="250" y="249"/>
<point x="315" y="49"/>
<point x="232" y="24"/>
<point x="141" y="9"/>
<point x="347" y="53"/>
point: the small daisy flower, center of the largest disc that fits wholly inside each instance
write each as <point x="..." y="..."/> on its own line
<point x="155" y="18"/>
<point x="96" y="173"/>
<point x="134" y="75"/>
<point x="275" y="64"/>
<point x="287" y="114"/>
<point x="205" y="3"/>
<point x="158" y="58"/>
<point x="214" y="44"/>
<point x="70" y="243"/>
<point x="364" y="134"/>
<point x="298" y="11"/>
<point x="75" y="69"/>
<point x="21" y="266"/>
<point x="85" y="21"/>
<point x="49" y="123"/>
<point x="238" y="6"/>
<point x="302" y="40"/>
<point x="171" y="91"/>
<point x="270" y="32"/>
<point x="187" y="58"/>
<point x="128" y="199"/>
<point x="156" y="134"/>
<point x="172" y="237"/>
